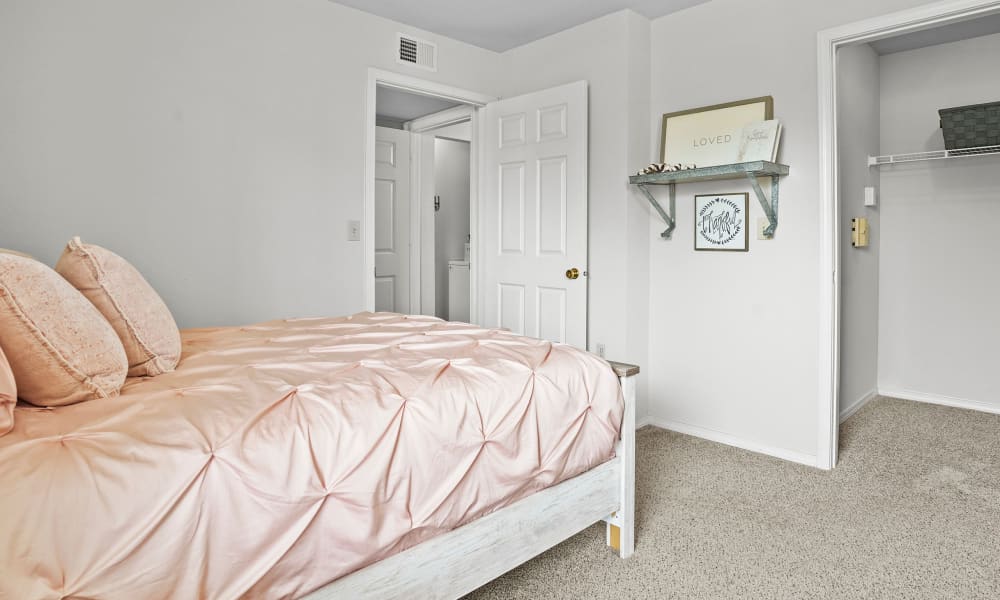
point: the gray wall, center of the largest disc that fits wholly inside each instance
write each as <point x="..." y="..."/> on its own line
<point x="613" y="55"/>
<point x="451" y="223"/>
<point x="939" y="249"/>
<point x="217" y="144"/>
<point x="221" y="151"/>
<point x="734" y="338"/>
<point x="858" y="137"/>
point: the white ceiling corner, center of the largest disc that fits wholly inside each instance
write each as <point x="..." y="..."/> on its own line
<point x="500" y="26"/>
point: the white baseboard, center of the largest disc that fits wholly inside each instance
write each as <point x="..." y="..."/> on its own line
<point x="853" y="407"/>
<point x="904" y="394"/>
<point x="730" y="440"/>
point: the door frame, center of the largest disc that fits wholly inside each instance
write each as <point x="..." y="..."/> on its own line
<point x="439" y="120"/>
<point x="828" y="42"/>
<point x="476" y="100"/>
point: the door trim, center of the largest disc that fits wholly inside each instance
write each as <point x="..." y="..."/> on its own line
<point x="448" y="116"/>
<point x="828" y="42"/>
<point x="416" y="85"/>
<point x="418" y="162"/>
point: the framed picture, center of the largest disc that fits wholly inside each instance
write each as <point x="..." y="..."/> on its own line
<point x="710" y="135"/>
<point x="720" y="222"/>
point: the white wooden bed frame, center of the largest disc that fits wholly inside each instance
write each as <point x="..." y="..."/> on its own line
<point x="458" y="562"/>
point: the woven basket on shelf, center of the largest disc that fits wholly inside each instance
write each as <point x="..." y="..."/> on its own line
<point x="971" y="126"/>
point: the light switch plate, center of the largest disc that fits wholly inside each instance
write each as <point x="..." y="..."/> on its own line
<point x="871" y="197"/>
<point x="354" y="231"/>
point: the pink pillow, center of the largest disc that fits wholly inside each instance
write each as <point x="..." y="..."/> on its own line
<point x="136" y="312"/>
<point x="8" y="395"/>
<point x="60" y="349"/>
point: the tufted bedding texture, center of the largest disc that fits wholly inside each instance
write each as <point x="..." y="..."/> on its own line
<point x="282" y="456"/>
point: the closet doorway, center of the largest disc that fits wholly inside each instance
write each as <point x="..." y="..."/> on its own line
<point x="905" y="314"/>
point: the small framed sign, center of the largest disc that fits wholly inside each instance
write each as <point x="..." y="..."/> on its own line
<point x="710" y="135"/>
<point x="720" y="222"/>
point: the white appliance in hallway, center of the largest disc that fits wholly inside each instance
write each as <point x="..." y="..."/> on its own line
<point x="458" y="290"/>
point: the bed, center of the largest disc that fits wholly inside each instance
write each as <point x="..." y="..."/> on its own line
<point x="377" y="455"/>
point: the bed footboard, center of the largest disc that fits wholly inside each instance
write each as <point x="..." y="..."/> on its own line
<point x="456" y="563"/>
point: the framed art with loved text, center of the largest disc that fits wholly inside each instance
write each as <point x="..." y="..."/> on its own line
<point x="720" y="222"/>
<point x="710" y="136"/>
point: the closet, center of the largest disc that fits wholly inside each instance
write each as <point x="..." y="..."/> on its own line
<point x="919" y="317"/>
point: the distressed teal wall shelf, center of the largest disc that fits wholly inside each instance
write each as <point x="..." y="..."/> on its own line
<point x="750" y="170"/>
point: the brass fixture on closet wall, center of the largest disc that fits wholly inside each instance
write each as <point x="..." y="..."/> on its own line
<point x="859" y="232"/>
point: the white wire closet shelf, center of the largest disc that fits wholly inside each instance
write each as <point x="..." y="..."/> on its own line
<point x="892" y="159"/>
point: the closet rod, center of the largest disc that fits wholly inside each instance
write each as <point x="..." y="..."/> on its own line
<point x="891" y="159"/>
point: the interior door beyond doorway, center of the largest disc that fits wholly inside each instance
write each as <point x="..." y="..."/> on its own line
<point x="392" y="220"/>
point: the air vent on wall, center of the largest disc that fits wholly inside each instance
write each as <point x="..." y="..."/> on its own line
<point x="417" y="53"/>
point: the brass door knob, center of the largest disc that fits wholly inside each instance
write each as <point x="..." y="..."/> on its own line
<point x="573" y="273"/>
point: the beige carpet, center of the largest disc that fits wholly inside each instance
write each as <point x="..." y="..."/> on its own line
<point x="912" y="511"/>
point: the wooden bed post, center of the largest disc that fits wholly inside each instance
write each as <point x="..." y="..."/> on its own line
<point x="621" y="524"/>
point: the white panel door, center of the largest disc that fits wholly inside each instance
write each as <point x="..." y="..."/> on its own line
<point x="534" y="211"/>
<point x="392" y="220"/>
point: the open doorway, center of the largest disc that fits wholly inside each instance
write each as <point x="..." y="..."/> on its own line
<point x="527" y="207"/>
<point x="452" y="226"/>
<point x="411" y="122"/>
<point x="902" y="313"/>
<point x="423" y="190"/>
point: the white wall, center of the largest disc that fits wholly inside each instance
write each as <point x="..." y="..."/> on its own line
<point x="227" y="134"/>
<point x="858" y="137"/>
<point x="637" y="301"/>
<point x="612" y="54"/>
<point x="939" y="289"/>
<point x="451" y="223"/>
<point x="734" y="338"/>
<point x="217" y="144"/>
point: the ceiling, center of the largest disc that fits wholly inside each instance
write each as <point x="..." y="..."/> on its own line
<point x="397" y="105"/>
<point x="939" y="35"/>
<point x="500" y="26"/>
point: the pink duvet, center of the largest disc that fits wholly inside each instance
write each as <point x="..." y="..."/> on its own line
<point x="282" y="456"/>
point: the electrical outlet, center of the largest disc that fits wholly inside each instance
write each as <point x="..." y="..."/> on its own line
<point x="354" y="231"/>
<point x="762" y="224"/>
<point x="600" y="349"/>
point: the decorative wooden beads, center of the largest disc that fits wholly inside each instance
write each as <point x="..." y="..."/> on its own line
<point x="665" y="168"/>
